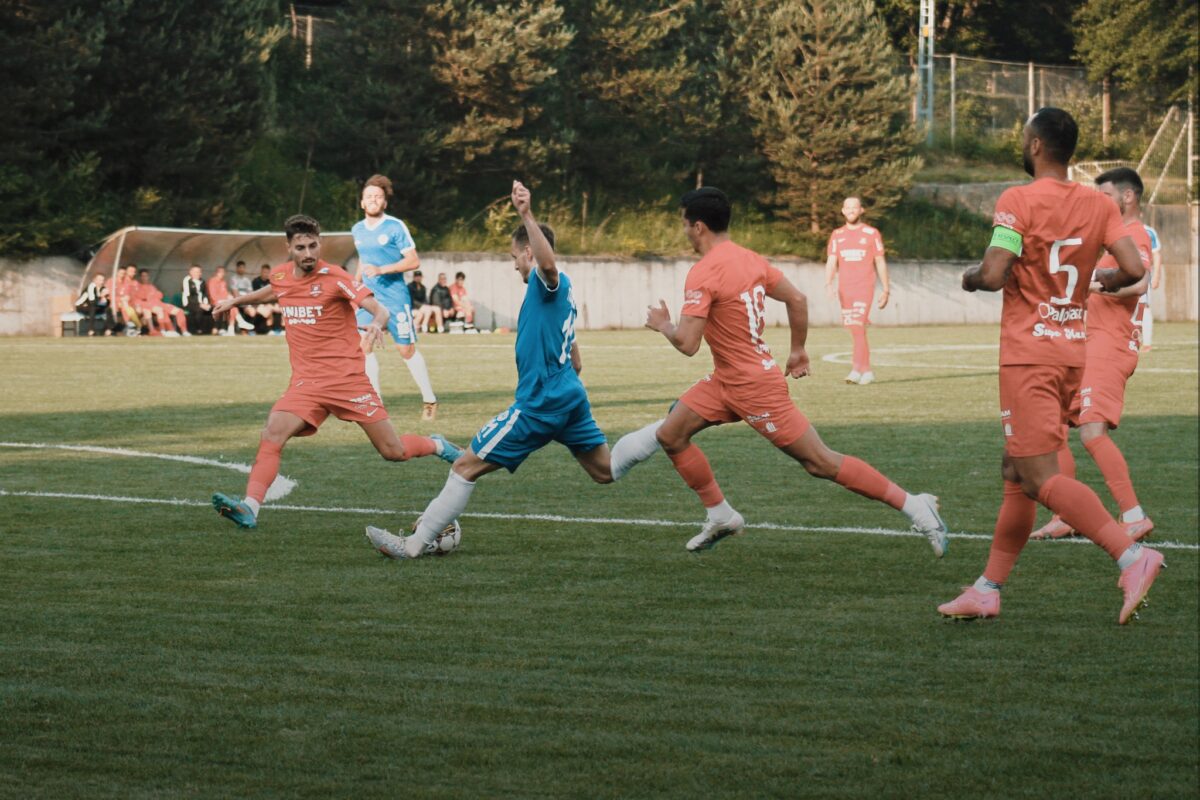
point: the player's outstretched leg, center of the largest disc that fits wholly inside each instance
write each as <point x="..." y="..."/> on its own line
<point x="1108" y="458"/>
<point x="675" y="437"/>
<point x="280" y="427"/>
<point x="634" y="448"/>
<point x="402" y="447"/>
<point x="861" y="478"/>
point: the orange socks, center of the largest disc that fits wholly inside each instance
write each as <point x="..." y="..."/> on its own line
<point x="860" y="477"/>
<point x="266" y="467"/>
<point x="693" y="467"/>
<point x="417" y="446"/>
<point x="1013" y="525"/>
<point x="1082" y="510"/>
<point x="861" y="360"/>
<point x="1112" y="465"/>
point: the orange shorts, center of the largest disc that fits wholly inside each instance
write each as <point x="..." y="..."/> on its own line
<point x="349" y="399"/>
<point x="1035" y="406"/>
<point x="856" y="306"/>
<point x="1101" y="396"/>
<point x="768" y="409"/>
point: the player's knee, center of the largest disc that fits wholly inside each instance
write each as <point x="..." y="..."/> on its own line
<point x="601" y="474"/>
<point x="670" y="441"/>
<point x="407" y="351"/>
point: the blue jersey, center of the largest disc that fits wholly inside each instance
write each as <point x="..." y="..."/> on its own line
<point x="384" y="244"/>
<point x="546" y="380"/>
<point x="1154" y="245"/>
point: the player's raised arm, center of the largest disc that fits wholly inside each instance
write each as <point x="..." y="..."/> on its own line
<point x="543" y="253"/>
<point x="1129" y="271"/>
<point x="259" y="296"/>
<point x="797" y="310"/>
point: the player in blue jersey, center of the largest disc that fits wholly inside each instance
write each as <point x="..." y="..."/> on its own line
<point x="1155" y="279"/>
<point x="385" y="252"/>
<point x="550" y="405"/>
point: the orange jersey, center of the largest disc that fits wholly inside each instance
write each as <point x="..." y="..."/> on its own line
<point x="322" y="336"/>
<point x="218" y="289"/>
<point x="146" y="295"/>
<point x="1064" y="227"/>
<point x="123" y="289"/>
<point x="1114" y="323"/>
<point x="856" y="250"/>
<point x="728" y="287"/>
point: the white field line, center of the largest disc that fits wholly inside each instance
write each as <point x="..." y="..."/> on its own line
<point x="280" y="489"/>
<point x="845" y="357"/>
<point x="662" y="523"/>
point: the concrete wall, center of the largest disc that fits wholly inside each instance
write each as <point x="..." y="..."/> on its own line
<point x="33" y="293"/>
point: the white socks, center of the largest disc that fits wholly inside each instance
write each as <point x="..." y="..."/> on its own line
<point x="253" y="505"/>
<point x="1134" y="514"/>
<point x="373" y="373"/>
<point x="1130" y="556"/>
<point x="634" y="448"/>
<point x="721" y="512"/>
<point x="440" y="512"/>
<point x="984" y="585"/>
<point x="420" y="373"/>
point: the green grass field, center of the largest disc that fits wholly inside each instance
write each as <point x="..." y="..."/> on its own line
<point x="152" y="650"/>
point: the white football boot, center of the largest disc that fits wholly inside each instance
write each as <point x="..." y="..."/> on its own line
<point x="714" y="531"/>
<point x="927" y="521"/>
<point x="386" y="543"/>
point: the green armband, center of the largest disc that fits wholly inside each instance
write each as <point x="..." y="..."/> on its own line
<point x="1006" y="239"/>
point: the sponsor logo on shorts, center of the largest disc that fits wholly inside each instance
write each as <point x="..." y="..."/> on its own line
<point x="758" y="417"/>
<point x="1006" y="418"/>
<point x="771" y="427"/>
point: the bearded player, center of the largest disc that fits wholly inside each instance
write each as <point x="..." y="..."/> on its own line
<point x="1113" y="341"/>
<point x="1046" y="240"/>
<point x="551" y="404"/>
<point x="723" y="303"/>
<point x="385" y="252"/>
<point x="318" y="301"/>
<point x="855" y="257"/>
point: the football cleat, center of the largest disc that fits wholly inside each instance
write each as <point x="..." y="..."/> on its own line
<point x="854" y="377"/>
<point x="1139" y="530"/>
<point x="867" y="377"/>
<point x="1135" y="582"/>
<point x="429" y="412"/>
<point x="1054" y="529"/>
<point x="234" y="510"/>
<point x="929" y="523"/>
<point x="972" y="604"/>
<point x="385" y="542"/>
<point x="446" y="450"/>
<point x="713" y="532"/>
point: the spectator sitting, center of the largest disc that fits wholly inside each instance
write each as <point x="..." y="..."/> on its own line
<point x="423" y="310"/>
<point x="196" y="302"/>
<point x="439" y="297"/>
<point x="218" y="290"/>
<point x="121" y="293"/>
<point x="464" y="311"/>
<point x="268" y="313"/>
<point x="155" y="312"/>
<point x="94" y="305"/>
<point x="242" y="284"/>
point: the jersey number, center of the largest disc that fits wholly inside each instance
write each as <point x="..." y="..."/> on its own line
<point x="756" y="315"/>
<point x="1072" y="273"/>
<point x="568" y="332"/>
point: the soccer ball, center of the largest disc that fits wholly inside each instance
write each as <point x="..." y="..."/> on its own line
<point x="447" y="540"/>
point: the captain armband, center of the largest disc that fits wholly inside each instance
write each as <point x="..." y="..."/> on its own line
<point x="1006" y="239"/>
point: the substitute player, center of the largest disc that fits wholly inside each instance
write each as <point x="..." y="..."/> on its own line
<point x="855" y="258"/>
<point x="318" y="300"/>
<point x="723" y="303"/>
<point x="1155" y="280"/>
<point x="385" y="252"/>
<point x="1046" y="241"/>
<point x="1113" y="342"/>
<point x="550" y="404"/>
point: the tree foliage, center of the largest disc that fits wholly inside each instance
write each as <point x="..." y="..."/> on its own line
<point x="1150" y="46"/>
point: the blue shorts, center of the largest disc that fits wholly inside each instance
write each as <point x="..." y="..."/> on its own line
<point x="513" y="435"/>
<point x="399" y="325"/>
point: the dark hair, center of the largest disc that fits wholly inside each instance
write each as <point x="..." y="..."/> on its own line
<point x="521" y="236"/>
<point x="383" y="182"/>
<point x="240" y="263"/>
<point x="458" y="275"/>
<point x="709" y="205"/>
<point x="300" y="225"/>
<point x="1058" y="132"/>
<point x="1123" y="178"/>
<point x="140" y="271"/>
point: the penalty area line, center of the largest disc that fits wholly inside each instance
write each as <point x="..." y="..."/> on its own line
<point x="663" y="523"/>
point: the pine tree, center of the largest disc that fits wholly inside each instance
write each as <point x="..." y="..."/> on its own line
<point x="1150" y="46"/>
<point x="829" y="107"/>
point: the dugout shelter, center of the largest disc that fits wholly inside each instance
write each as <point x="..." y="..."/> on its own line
<point x="169" y="252"/>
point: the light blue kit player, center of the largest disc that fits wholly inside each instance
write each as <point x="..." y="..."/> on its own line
<point x="551" y="403"/>
<point x="385" y="252"/>
<point x="1155" y="279"/>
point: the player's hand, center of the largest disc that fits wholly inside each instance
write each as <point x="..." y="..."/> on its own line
<point x="521" y="198"/>
<point x="658" y="317"/>
<point x="371" y="271"/>
<point x="373" y="334"/>
<point x="797" y="364"/>
<point x="1095" y="286"/>
<point x="968" y="279"/>
<point x="223" y="305"/>
<point x="883" y="298"/>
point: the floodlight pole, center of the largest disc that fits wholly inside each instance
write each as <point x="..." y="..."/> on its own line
<point x="925" y="68"/>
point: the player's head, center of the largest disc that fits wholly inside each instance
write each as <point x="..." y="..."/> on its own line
<point x="705" y="211"/>
<point x="441" y="279"/>
<point x="143" y="275"/>
<point x="194" y="271"/>
<point x="1050" y="135"/>
<point x="304" y="241"/>
<point x="1123" y="185"/>
<point x="852" y="210"/>
<point x="98" y="278"/>
<point x="240" y="267"/>
<point x="264" y="270"/>
<point x="220" y="270"/>
<point x="460" y="278"/>
<point x="375" y="194"/>
<point x="131" y="271"/>
<point x="522" y="253"/>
